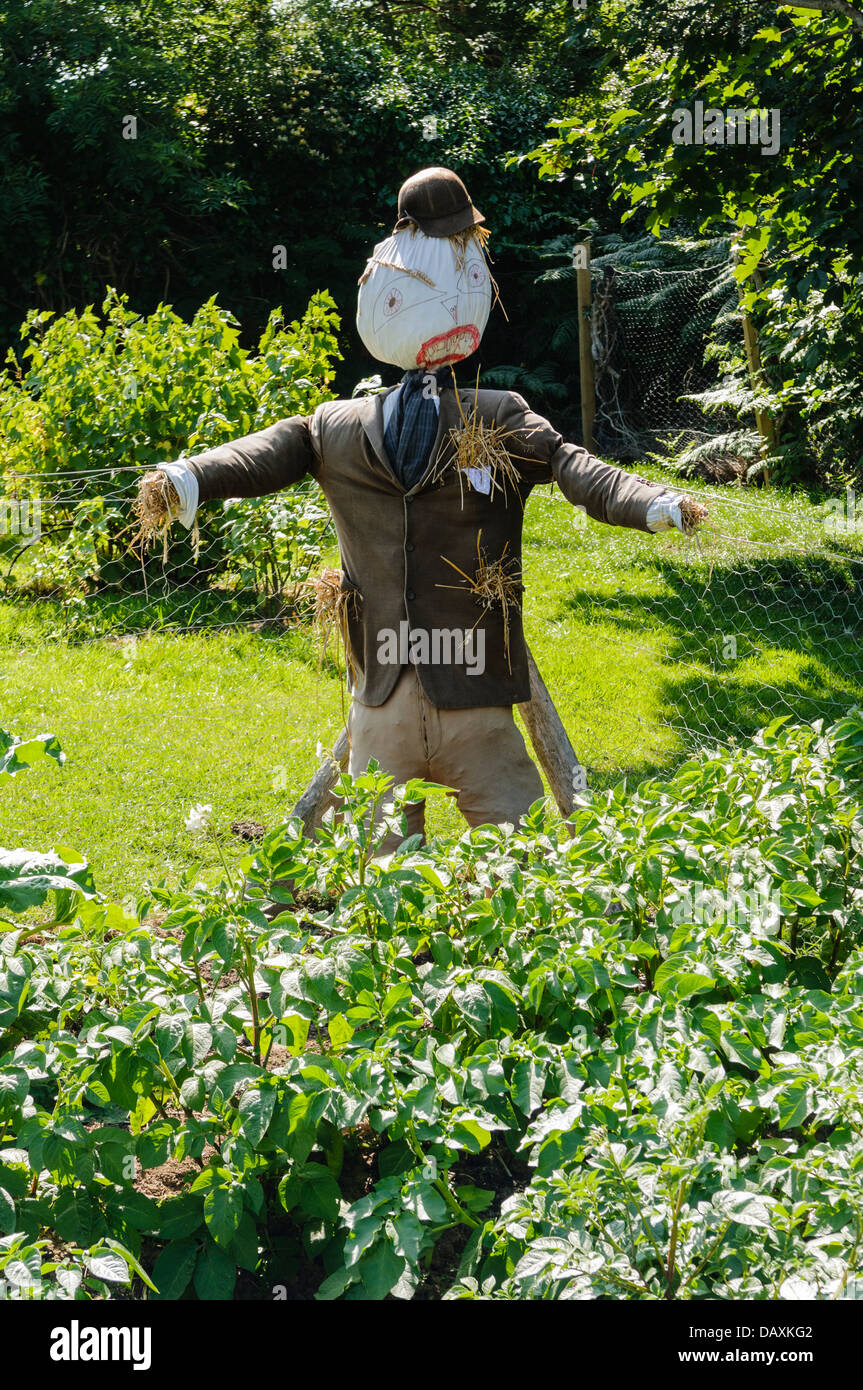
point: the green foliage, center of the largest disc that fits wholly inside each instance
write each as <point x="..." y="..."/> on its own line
<point x="628" y="1069"/>
<point x="792" y="213"/>
<point x="95" y="399"/>
<point x="17" y="754"/>
<point x="258" y="125"/>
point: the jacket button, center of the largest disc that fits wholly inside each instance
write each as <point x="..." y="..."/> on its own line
<point x="409" y="499"/>
<point x="410" y="595"/>
<point x="409" y="545"/>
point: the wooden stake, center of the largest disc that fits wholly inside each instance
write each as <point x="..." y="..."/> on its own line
<point x="555" y="753"/>
<point x="763" y="419"/>
<point x="313" y="802"/>
<point x="585" y="352"/>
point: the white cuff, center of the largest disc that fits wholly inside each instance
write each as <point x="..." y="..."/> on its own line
<point x="186" y="485"/>
<point x="664" y="512"/>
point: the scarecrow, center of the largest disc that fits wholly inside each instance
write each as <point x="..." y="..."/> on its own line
<point x="427" y="484"/>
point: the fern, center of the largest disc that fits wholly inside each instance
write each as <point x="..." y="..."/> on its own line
<point x="541" y="380"/>
<point x="719" y="456"/>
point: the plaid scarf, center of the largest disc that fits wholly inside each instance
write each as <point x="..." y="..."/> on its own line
<point x="412" y="430"/>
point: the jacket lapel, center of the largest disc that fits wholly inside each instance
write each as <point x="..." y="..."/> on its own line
<point x="371" y="413"/>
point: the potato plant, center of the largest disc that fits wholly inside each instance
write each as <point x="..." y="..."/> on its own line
<point x="615" y="1057"/>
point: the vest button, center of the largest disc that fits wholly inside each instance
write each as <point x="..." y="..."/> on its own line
<point x="409" y="545"/>
<point x="410" y="595"/>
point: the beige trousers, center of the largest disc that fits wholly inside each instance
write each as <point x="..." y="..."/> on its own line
<point x="478" y="752"/>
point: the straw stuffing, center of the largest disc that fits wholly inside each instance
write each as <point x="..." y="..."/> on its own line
<point x="495" y="585"/>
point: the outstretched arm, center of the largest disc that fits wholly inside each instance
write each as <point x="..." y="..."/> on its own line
<point x="258" y="464"/>
<point x="606" y="493"/>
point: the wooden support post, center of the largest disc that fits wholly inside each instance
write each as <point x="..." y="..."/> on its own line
<point x="585" y="352"/>
<point x="555" y="753"/>
<point x="763" y="420"/>
<point x="313" y="801"/>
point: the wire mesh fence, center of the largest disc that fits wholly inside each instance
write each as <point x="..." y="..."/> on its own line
<point x="754" y="617"/>
<point x="651" y="324"/>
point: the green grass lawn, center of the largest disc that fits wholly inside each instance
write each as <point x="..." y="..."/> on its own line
<point x="635" y="636"/>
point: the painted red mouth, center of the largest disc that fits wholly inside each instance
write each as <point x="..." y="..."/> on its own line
<point x="449" y="347"/>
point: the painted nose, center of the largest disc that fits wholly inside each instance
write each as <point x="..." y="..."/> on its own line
<point x="451" y="306"/>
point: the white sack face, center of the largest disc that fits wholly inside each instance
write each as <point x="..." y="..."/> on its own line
<point x="425" y="301"/>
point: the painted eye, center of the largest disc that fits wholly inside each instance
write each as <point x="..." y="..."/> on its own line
<point x="392" y="302"/>
<point x="474" y="278"/>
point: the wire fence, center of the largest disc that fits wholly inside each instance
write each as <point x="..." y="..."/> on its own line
<point x="757" y="616"/>
<point x="651" y="327"/>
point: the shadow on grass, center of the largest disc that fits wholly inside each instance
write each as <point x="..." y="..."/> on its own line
<point x="117" y="611"/>
<point x="744" y="643"/>
<point x="736" y="644"/>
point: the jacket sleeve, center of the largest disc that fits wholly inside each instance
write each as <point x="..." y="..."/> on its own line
<point x="606" y="493"/>
<point x="260" y="463"/>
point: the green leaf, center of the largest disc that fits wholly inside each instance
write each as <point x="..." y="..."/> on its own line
<point x="244" y="1248"/>
<point x="474" y="1004"/>
<point x="396" y="1158"/>
<point x="793" y="1105"/>
<point x="395" y="995"/>
<point x="690" y="982"/>
<point x="528" y="1084"/>
<point x="223" y="938"/>
<point x="384" y="898"/>
<point x="7" y="1212"/>
<point x="74" y="1215"/>
<point x="215" y="1274"/>
<point x="504" y="1007"/>
<point x="314" y="1188"/>
<point x="255" y="1112"/>
<point x="223" y="1207"/>
<point x="340" y="1031"/>
<point x="134" y="1264"/>
<point x="475" y="1198"/>
<point x="193" y="1093"/>
<point x="173" y="1269"/>
<point x="379" y="1269"/>
<point x="472" y="1135"/>
<point x="197" y="1041"/>
<point x="26" y="878"/>
<point x="335" y="1285"/>
<point x="318" y="983"/>
<point x="17" y="754"/>
<point x="653" y="875"/>
<point x="663" y="980"/>
<point x="154" y="1144"/>
<point x="595" y="899"/>
<point x="14" y="1088"/>
<point x="180" y="1216"/>
<point x="746" y="1208"/>
<point x="108" y="1265"/>
<point x="25" y="1268"/>
<point x="800" y="892"/>
<point x="809" y="973"/>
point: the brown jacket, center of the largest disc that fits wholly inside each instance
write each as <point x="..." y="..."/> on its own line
<point x="394" y="545"/>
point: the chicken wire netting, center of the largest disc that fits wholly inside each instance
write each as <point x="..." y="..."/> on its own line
<point x="754" y="617"/>
<point x="652" y="322"/>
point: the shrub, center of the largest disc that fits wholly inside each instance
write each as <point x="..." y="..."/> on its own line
<point x="94" y="400"/>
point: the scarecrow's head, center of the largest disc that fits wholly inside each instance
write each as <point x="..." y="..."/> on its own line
<point x="426" y="292"/>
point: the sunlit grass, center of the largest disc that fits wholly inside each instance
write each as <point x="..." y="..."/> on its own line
<point x="631" y="632"/>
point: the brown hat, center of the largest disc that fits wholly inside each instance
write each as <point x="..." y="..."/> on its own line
<point x="437" y="200"/>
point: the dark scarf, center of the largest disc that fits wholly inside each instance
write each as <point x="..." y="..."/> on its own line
<point x="412" y="430"/>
